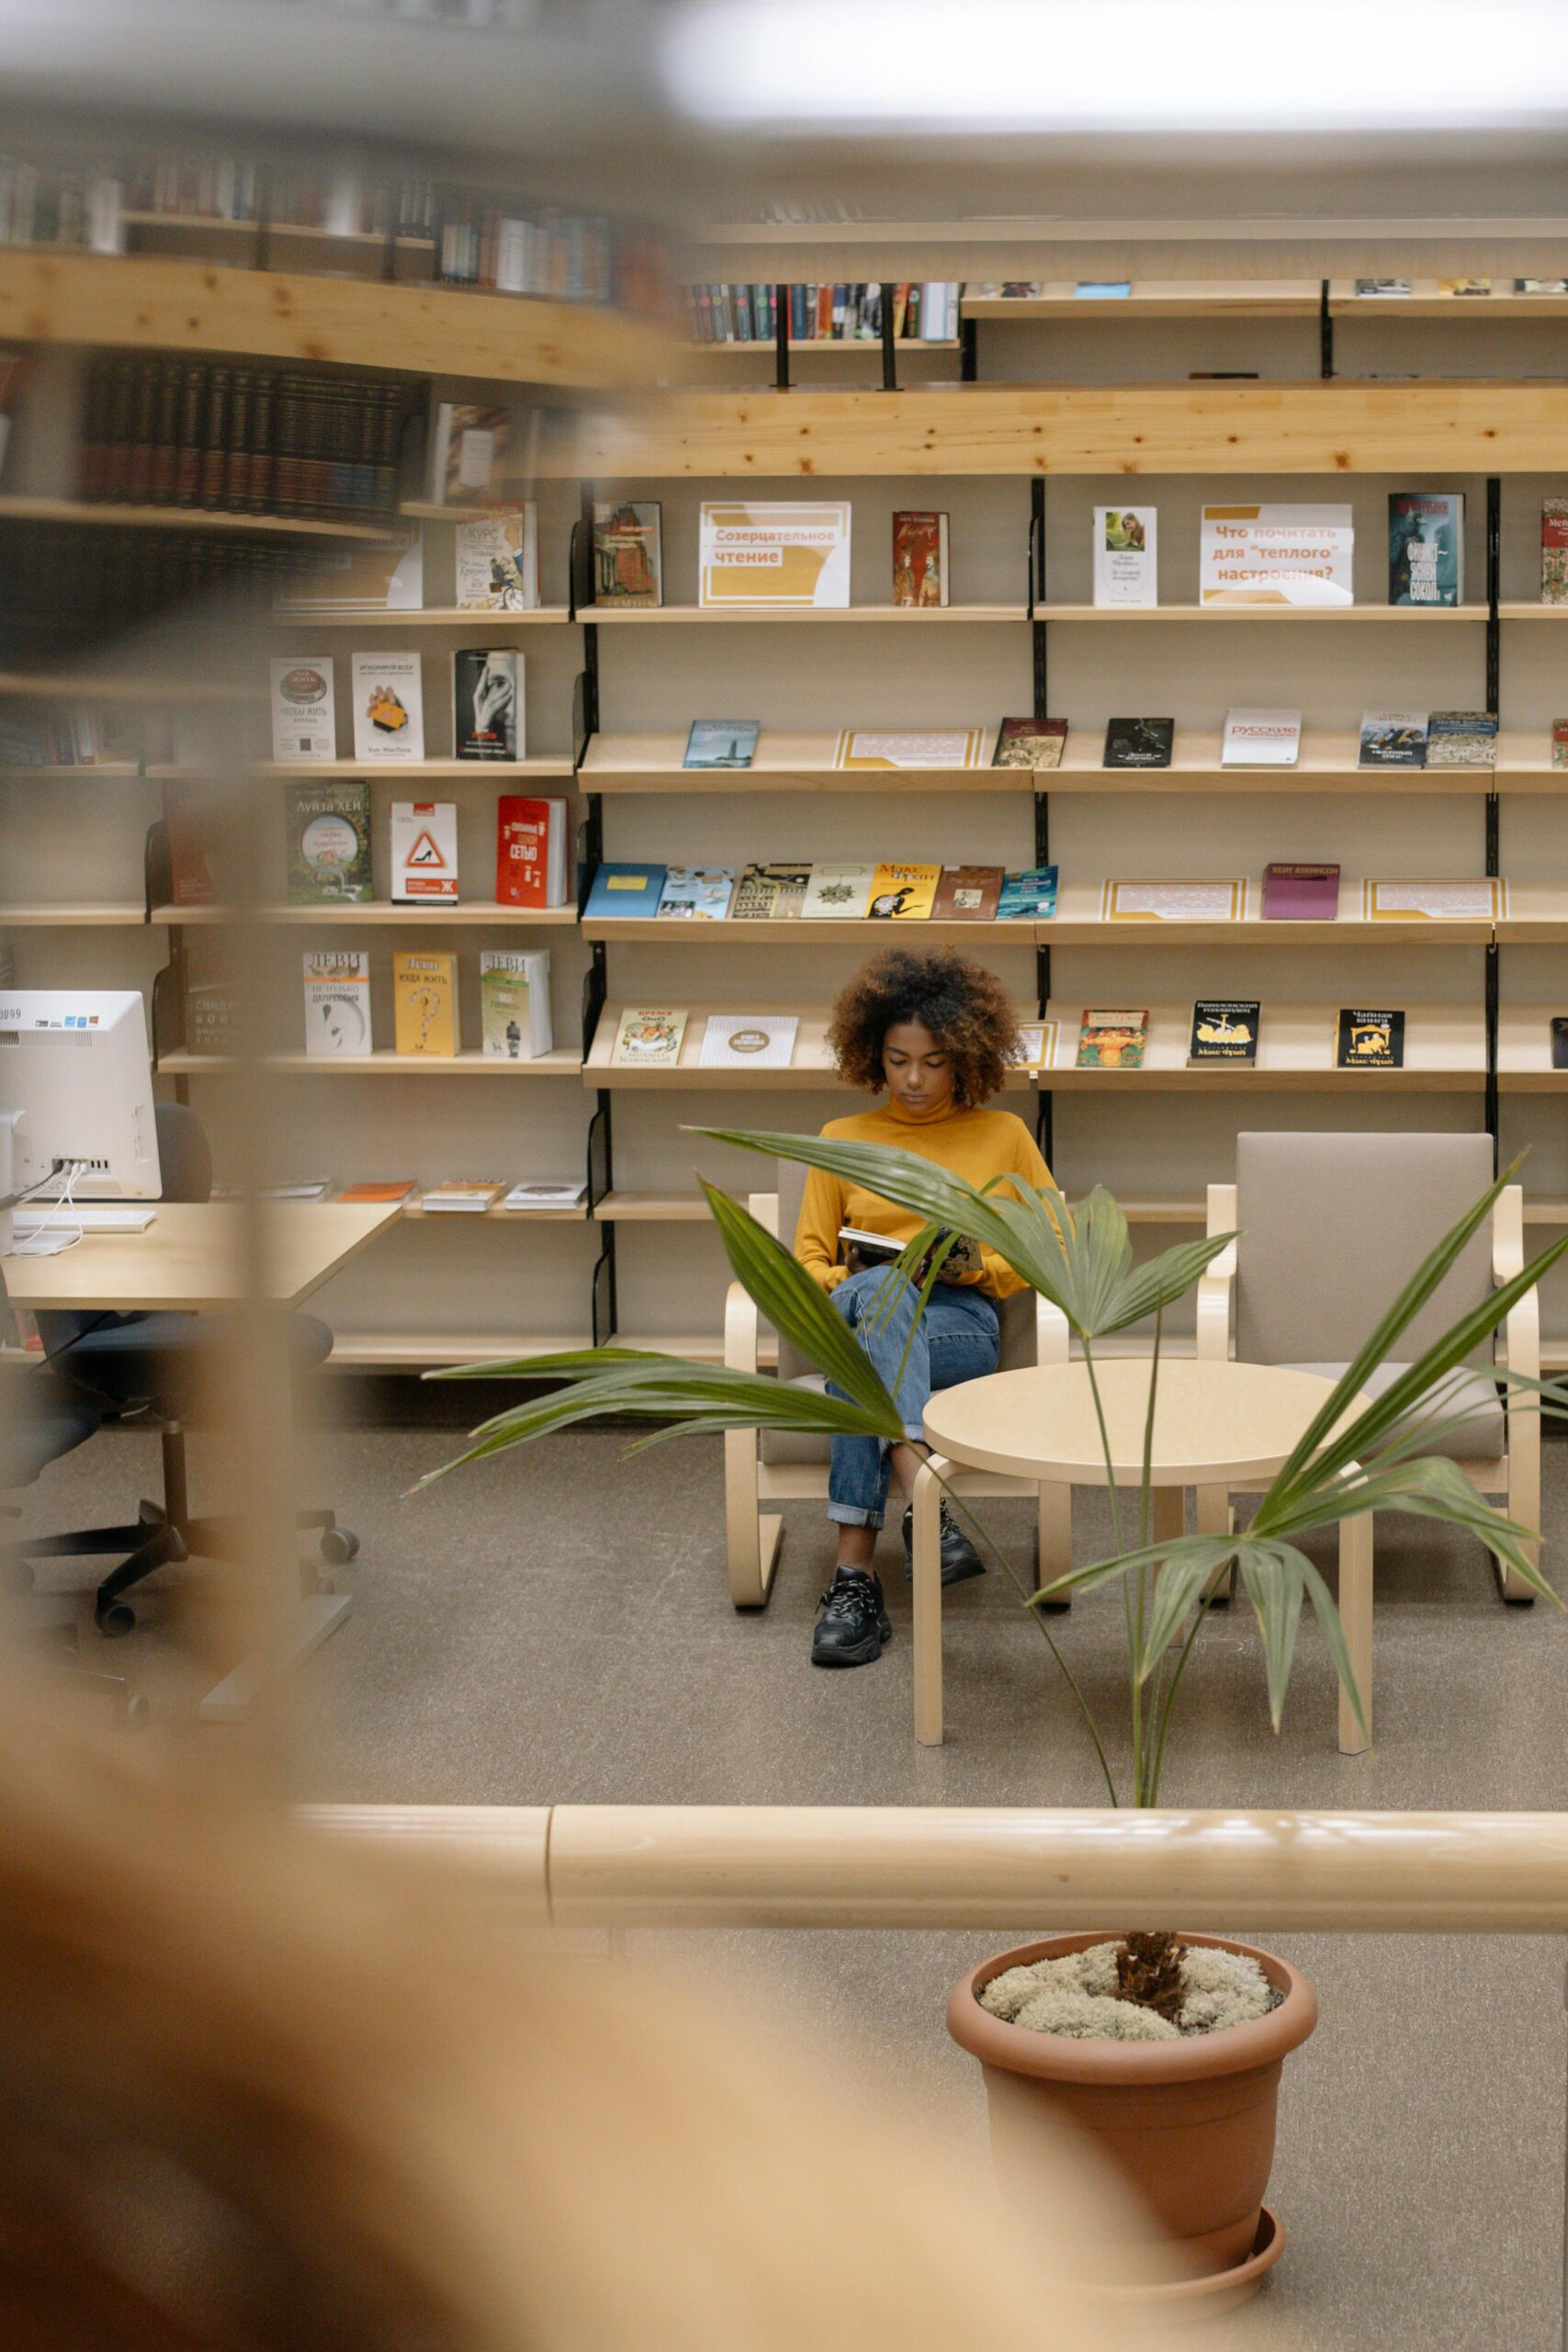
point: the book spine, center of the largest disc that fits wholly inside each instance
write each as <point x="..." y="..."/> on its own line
<point x="95" y="422"/>
<point x="237" y="452"/>
<point x="166" y="435"/>
<point x="285" y="476"/>
<point x="193" y="412"/>
<point x="215" y="441"/>
<point x="263" y="412"/>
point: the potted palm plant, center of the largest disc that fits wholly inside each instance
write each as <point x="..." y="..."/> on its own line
<point x="1168" y="2048"/>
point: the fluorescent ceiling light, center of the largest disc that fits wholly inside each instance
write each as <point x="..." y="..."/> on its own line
<point x="1118" y="65"/>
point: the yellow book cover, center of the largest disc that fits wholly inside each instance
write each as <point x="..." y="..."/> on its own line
<point x="425" y="1000"/>
<point x="774" y="552"/>
<point x="906" y="746"/>
<point x="903" y="893"/>
<point x="1484" y="899"/>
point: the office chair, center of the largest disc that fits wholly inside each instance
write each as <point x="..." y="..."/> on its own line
<point x="151" y="1367"/>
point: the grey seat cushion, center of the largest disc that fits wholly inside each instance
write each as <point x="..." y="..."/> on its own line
<point x="797" y="1445"/>
<point x="1480" y="1438"/>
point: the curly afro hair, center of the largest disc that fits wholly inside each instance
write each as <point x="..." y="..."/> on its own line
<point x="962" y="1005"/>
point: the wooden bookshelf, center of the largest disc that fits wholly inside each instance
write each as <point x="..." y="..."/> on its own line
<point x="495" y="1214"/>
<point x="127" y="686"/>
<point x="214" y="520"/>
<point x="426" y="1350"/>
<point x="793" y="931"/>
<point x="767" y="615"/>
<point x="619" y="1207"/>
<point x="1428" y="616"/>
<point x="561" y="1063"/>
<point x="1078" y="923"/>
<point x="1423" y="302"/>
<point x="1445" y="1053"/>
<point x="381" y="910"/>
<point x="806" y="347"/>
<point x="812" y="1066"/>
<point x="1536" y="916"/>
<point x="1523" y="1050"/>
<point x="1182" y="298"/>
<point x="120" y="915"/>
<point x="432" y="617"/>
<point x="100" y="771"/>
<point x="784" y="762"/>
<point x="408" y="770"/>
<point x="214" y="228"/>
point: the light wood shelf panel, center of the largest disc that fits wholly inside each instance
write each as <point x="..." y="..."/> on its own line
<point x="211" y="519"/>
<point x="1522" y="610"/>
<point x="1445" y="1053"/>
<point x="495" y="1214"/>
<point x="1343" y="425"/>
<point x="1192" y="298"/>
<point x="794" y="930"/>
<point x="1523" y="1050"/>
<point x="424" y="1351"/>
<point x="621" y="1207"/>
<point x="812" y="1066"/>
<point x="428" y="616"/>
<point x="1428" y="616"/>
<point x="784" y="762"/>
<point x="384" y="1063"/>
<point x="107" y="771"/>
<point x="1078" y="923"/>
<point x="142" y="303"/>
<point x="1423" y="302"/>
<point x="1536" y="916"/>
<point x="124" y="915"/>
<point x="769" y="615"/>
<point x="408" y="770"/>
<point x="381" y="910"/>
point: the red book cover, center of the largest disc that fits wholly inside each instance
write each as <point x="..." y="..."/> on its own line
<point x="1300" y="893"/>
<point x="522" y="851"/>
<point x="920" y="559"/>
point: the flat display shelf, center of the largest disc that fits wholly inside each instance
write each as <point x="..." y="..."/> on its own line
<point x="1189" y="298"/>
<point x="494" y="1211"/>
<point x="1536" y="916"/>
<point x="1425" y="614"/>
<point x="121" y="916"/>
<point x="784" y="762"/>
<point x="766" y="615"/>
<point x="1445" y="1053"/>
<point x="105" y="770"/>
<point x="796" y="931"/>
<point x="811" y="1066"/>
<point x="1523" y="1050"/>
<point x="407" y="771"/>
<point x="560" y="1063"/>
<point x="379" y="911"/>
<point x="424" y="1351"/>
<point x="1423" y="302"/>
<point x="652" y="1208"/>
<point x="1080" y="923"/>
<point x="212" y="519"/>
<point x="428" y="616"/>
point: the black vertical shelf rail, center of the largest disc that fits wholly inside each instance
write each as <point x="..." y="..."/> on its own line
<point x="1046" y="1114"/>
<point x="781" y="338"/>
<point x="1493" y="803"/>
<point x="1325" y="334"/>
<point x="886" y="295"/>
<point x="968" y="342"/>
<point x="599" y="1164"/>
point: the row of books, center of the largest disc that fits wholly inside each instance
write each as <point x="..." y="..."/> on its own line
<point x="514" y="1006"/>
<point x="1224" y="1030"/>
<point x="388" y="699"/>
<point x="1384" y="289"/>
<point x="327" y="831"/>
<point x="1112" y="289"/>
<point x="284" y="441"/>
<point x="68" y="590"/>
<point x="748" y="313"/>
<point x="453" y="1196"/>
<point x="770" y="890"/>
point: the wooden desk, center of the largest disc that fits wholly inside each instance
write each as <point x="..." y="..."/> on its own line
<point x="188" y="1260"/>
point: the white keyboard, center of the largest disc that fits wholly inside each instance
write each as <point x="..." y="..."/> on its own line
<point x="93" y="1217"/>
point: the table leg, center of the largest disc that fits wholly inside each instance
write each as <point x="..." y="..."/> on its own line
<point x="1167" y="1514"/>
<point x="1055" y="1549"/>
<point x="927" y="1550"/>
<point x="1356" y="1616"/>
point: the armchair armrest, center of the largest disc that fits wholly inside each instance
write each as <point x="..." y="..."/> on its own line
<point x="1052" y="1337"/>
<point x="741" y="1327"/>
<point x="1216" y="1286"/>
<point x="764" y="1207"/>
<point x="1520" y="1343"/>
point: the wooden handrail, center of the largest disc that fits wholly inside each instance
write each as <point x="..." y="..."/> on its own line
<point x="825" y="1866"/>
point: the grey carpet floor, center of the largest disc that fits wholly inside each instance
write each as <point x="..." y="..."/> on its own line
<point x="557" y="1626"/>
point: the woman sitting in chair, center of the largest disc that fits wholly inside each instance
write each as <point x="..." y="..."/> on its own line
<point x="935" y="1031"/>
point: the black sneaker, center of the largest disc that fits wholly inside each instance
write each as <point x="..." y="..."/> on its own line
<point x="852" y="1620"/>
<point x="960" y="1560"/>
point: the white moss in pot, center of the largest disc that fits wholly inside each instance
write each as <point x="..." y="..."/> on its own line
<point x="1077" y="1996"/>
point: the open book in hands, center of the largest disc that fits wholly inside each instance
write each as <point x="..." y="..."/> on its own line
<point x="859" y="1249"/>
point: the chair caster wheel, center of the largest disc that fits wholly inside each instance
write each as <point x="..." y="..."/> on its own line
<point x="340" y="1545"/>
<point x="114" y="1618"/>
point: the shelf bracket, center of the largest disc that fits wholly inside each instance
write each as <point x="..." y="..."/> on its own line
<point x="781" y="338"/>
<point x="1325" y="334"/>
<point x="890" y="353"/>
<point x="968" y="349"/>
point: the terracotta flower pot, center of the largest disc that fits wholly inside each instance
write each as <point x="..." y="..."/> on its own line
<point x="1188" y="2124"/>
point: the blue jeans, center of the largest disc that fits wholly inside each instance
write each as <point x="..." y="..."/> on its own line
<point x="957" y="1339"/>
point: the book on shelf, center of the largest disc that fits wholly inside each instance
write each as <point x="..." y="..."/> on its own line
<point x="514" y="1003"/>
<point x="909" y="746"/>
<point x="1102" y="290"/>
<point x="903" y="893"/>
<point x="1464" y="286"/>
<point x="968" y="894"/>
<point x="1369" y="1038"/>
<point x="696" y="894"/>
<point x="497" y="561"/>
<point x="748" y="1041"/>
<point x="1392" y="739"/>
<point x="389" y="707"/>
<point x="1028" y="892"/>
<point x="1540" y="285"/>
<point x="488" y="714"/>
<point x="628" y="562"/>
<point x="193" y="817"/>
<point x="1554" y="550"/>
<point x="779" y="552"/>
<point x="920" y="559"/>
<point x="1262" y="738"/>
<point x="1036" y="1046"/>
<point x="1174" y="901"/>
<point x="462" y="1196"/>
<point x="770" y="891"/>
<point x="838" y="893"/>
<point x="67" y="735"/>
<point x="1300" y="893"/>
<point x="1029" y="744"/>
<point x="424" y="1002"/>
<point x="301" y="1188"/>
<point x="424" y="852"/>
<point x="721" y="744"/>
<point x="564" y="1195"/>
<point x="1559" y="742"/>
<point x="1276" y="555"/>
<point x="328" y="835"/>
<point x="530" y="851"/>
<point x="1223" y="1030"/>
<point x="337" y="1005"/>
<point x="649" y="1037"/>
<point x="384" y="575"/>
<point x="1139" y="743"/>
<point x="1113" y="1039"/>
<point x="1126" y="556"/>
<point x="1560" y="1041"/>
<point x="467" y="449"/>
<point x="1483" y="899"/>
<point x="620" y="889"/>
<point x="1383" y="287"/>
<point x="212" y="1017"/>
<point x="1426" y="546"/>
<point x="378" y="1190"/>
<point x="304" y="724"/>
<point x="1461" y="739"/>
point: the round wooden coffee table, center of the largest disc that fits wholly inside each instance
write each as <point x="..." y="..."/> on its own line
<point x="1221" y="1428"/>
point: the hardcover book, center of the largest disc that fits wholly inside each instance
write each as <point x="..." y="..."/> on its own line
<point x="944" y="746"/>
<point x="567" y="1195"/>
<point x="696" y="894"/>
<point x="1125" y="560"/>
<point x="329" y="842"/>
<point x="620" y="890"/>
<point x="212" y="1017"/>
<point x="497" y="561"/>
<point x="514" y="1003"/>
<point x="838" y="893"/>
<point x="1029" y="744"/>
<point x="389" y="707"/>
<point x="748" y="1041"/>
<point x="461" y="1196"/>
<point x="1369" y="1039"/>
<point x="721" y="744"/>
<point x="1559" y="742"/>
<point x="337" y="1005"/>
<point x="424" y="1004"/>
<point x="1102" y="290"/>
<point x="968" y="894"/>
<point x="374" y="1190"/>
<point x="1262" y="738"/>
<point x="1426" y="546"/>
<point x="386" y="575"/>
<point x="903" y="893"/>
<point x="1027" y="894"/>
<point x="467" y="446"/>
<point x="487" y="704"/>
<point x="1300" y="893"/>
<point x="1560" y="1041"/>
<point x="1223" y="1030"/>
<point x="530" y="851"/>
<point x="648" y="1037"/>
<point x="1113" y="1040"/>
<point x="1384" y="286"/>
<point x="1464" y="286"/>
<point x="628" y="562"/>
<point x="304" y="726"/>
<point x="424" y="852"/>
<point x="1139" y="743"/>
<point x="774" y="552"/>
<point x="1540" y="285"/>
<point x="1394" y="738"/>
<point x="1276" y="555"/>
<point x="194" y="820"/>
<point x="920" y="559"/>
<point x="1554" y="550"/>
<point x="1461" y="739"/>
<point x="770" y="891"/>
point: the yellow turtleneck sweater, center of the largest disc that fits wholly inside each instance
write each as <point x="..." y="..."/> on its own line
<point x="975" y="1144"/>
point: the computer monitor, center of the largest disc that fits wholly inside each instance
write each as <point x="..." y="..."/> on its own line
<point x="76" y="1090"/>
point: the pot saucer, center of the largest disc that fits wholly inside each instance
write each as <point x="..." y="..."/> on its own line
<point x="1221" y="2290"/>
